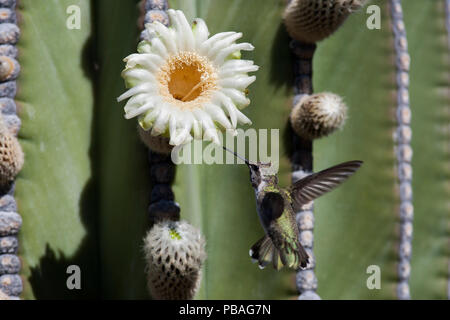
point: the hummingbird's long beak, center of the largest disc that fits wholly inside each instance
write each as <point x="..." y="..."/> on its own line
<point x="237" y="156"/>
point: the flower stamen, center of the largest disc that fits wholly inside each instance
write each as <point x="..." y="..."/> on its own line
<point x="187" y="79"/>
<point x="185" y="98"/>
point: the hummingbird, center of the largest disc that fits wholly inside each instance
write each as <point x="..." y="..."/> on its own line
<point x="277" y="206"/>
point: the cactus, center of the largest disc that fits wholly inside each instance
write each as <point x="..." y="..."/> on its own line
<point x="87" y="182"/>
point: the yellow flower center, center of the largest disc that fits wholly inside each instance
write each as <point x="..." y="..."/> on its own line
<point x="187" y="79"/>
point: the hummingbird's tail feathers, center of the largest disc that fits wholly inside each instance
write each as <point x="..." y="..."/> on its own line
<point x="313" y="186"/>
<point x="265" y="252"/>
<point x="293" y="255"/>
<point x="262" y="252"/>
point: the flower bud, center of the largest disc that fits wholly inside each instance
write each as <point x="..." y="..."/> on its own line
<point x="311" y="21"/>
<point x="318" y="115"/>
<point x="175" y="252"/>
<point x="157" y="144"/>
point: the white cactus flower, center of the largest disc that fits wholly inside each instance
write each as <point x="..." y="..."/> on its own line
<point x="184" y="84"/>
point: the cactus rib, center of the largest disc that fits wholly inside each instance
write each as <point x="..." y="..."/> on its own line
<point x="162" y="204"/>
<point x="10" y="220"/>
<point x="302" y="162"/>
<point x="163" y="208"/>
<point x="404" y="150"/>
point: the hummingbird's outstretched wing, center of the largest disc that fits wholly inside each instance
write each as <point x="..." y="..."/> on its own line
<point x="317" y="184"/>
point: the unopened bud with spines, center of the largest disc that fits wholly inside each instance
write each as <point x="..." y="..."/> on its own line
<point x="11" y="155"/>
<point x="311" y="21"/>
<point x="175" y="252"/>
<point x="318" y="115"/>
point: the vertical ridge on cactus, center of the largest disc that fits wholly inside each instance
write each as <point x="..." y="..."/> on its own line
<point x="11" y="154"/>
<point x="174" y="250"/>
<point x="302" y="160"/>
<point x="403" y="141"/>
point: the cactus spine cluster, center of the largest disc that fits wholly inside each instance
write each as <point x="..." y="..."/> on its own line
<point x="11" y="155"/>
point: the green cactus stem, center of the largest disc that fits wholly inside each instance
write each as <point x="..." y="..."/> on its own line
<point x="302" y="164"/>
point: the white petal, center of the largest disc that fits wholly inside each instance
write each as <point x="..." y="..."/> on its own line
<point x="209" y="129"/>
<point x="205" y="46"/>
<point x="161" y="122"/>
<point x="229" y="106"/>
<point x="197" y="129"/>
<point x="139" y="99"/>
<point x="183" y="35"/>
<point x="203" y="117"/>
<point x="231" y="49"/>
<point x="237" y="96"/>
<point x="236" y="63"/>
<point x="144" y="47"/>
<point x="211" y="134"/>
<point x="159" y="48"/>
<point x="134" y="112"/>
<point x="239" y="83"/>
<point x="182" y="136"/>
<point x="145" y="60"/>
<point x="200" y="31"/>
<point x="138" y="74"/>
<point x="223" y="44"/>
<point x="144" y="87"/>
<point x="149" y="118"/>
<point x="186" y="31"/>
<point x="242" y="118"/>
<point x="166" y="36"/>
<point x="218" y="115"/>
<point x="231" y="70"/>
<point x="172" y="128"/>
